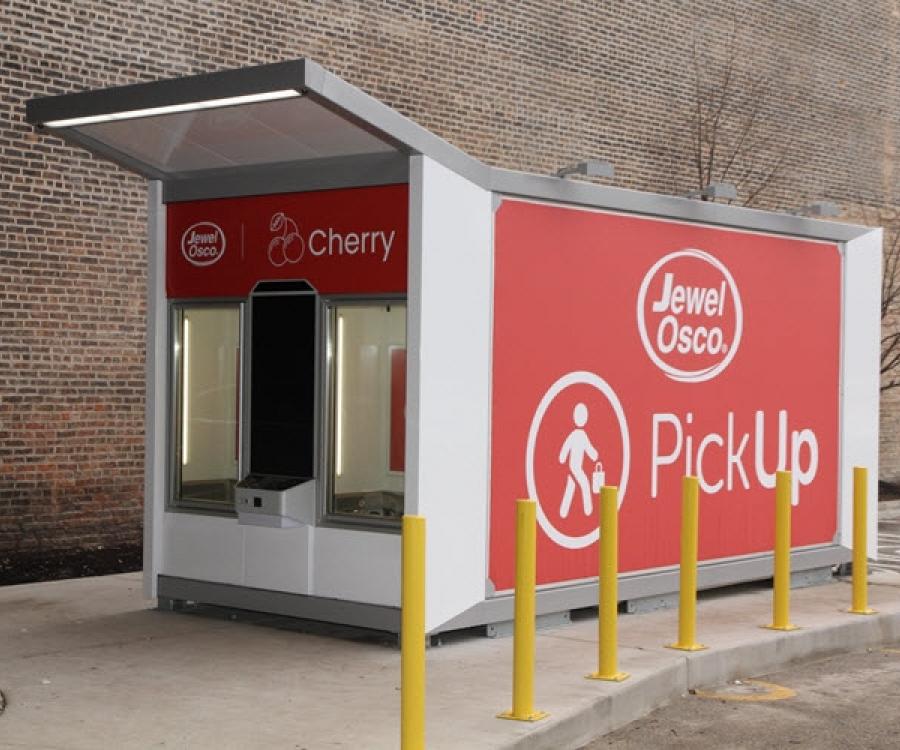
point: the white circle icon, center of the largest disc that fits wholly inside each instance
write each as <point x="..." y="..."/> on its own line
<point x="700" y="339"/>
<point x="567" y="381"/>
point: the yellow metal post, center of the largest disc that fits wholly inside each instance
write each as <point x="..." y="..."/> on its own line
<point x="412" y="634"/>
<point x="781" y="582"/>
<point x="609" y="596"/>
<point x="687" y="604"/>
<point x="860" y="542"/>
<point x="524" y="622"/>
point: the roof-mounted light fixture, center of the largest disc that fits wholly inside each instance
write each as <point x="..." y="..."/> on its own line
<point x="230" y="101"/>
<point x="588" y="168"/>
<point x="819" y="210"/>
<point x="724" y="190"/>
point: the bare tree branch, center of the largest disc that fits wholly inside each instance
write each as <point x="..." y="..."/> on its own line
<point x="773" y="175"/>
<point x="890" y="297"/>
<point x="724" y="95"/>
<point x="698" y="117"/>
<point x="728" y="131"/>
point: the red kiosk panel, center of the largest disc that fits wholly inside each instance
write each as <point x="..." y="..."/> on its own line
<point x="632" y="351"/>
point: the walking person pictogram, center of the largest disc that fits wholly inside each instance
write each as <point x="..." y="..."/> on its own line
<point x="576" y="446"/>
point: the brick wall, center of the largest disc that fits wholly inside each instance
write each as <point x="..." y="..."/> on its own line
<point x="527" y="85"/>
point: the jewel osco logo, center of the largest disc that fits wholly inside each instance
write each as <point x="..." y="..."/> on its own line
<point x="203" y="243"/>
<point x="689" y="315"/>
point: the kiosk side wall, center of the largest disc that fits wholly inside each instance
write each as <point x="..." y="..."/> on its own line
<point x="155" y="406"/>
<point x="860" y="378"/>
<point x="448" y="401"/>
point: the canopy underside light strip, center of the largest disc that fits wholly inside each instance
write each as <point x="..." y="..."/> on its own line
<point x="265" y="96"/>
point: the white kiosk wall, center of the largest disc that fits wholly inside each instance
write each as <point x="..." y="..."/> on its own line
<point x="448" y="398"/>
<point x="155" y="406"/>
<point x="860" y="380"/>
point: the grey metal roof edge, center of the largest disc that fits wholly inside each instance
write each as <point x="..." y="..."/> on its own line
<point x="397" y="127"/>
<point x="203" y="86"/>
<point x="575" y="192"/>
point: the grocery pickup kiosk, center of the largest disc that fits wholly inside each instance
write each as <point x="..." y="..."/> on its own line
<point x="350" y="319"/>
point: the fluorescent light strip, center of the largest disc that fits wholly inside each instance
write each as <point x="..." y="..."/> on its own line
<point x="131" y="114"/>
<point x="185" y="391"/>
<point x="339" y="401"/>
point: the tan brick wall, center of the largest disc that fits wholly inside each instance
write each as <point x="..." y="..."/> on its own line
<point x="527" y="85"/>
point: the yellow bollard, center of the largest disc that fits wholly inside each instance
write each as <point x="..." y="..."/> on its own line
<point x="412" y="634"/>
<point x="860" y="550"/>
<point x="524" y="622"/>
<point x="781" y="580"/>
<point x="687" y="604"/>
<point x="609" y="598"/>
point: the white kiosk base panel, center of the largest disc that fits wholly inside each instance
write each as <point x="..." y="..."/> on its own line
<point x="808" y="567"/>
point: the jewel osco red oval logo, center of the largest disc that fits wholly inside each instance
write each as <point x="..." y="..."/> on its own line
<point x="689" y="315"/>
<point x="203" y="243"/>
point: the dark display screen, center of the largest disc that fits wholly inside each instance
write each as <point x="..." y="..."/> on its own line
<point x="282" y="385"/>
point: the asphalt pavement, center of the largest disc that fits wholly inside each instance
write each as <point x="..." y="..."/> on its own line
<point x="844" y="702"/>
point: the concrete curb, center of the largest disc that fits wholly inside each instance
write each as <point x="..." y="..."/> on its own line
<point x="640" y="695"/>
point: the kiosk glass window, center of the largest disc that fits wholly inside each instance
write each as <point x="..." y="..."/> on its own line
<point x="207" y="405"/>
<point x="368" y="410"/>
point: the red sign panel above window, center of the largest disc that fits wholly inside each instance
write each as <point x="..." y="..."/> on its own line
<point x="351" y="241"/>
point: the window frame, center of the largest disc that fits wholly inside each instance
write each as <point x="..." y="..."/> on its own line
<point x="174" y="501"/>
<point x="328" y="517"/>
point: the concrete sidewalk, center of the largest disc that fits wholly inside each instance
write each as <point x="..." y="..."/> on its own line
<point x="85" y="663"/>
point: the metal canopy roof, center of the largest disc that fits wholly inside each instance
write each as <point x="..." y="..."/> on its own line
<point x="205" y="126"/>
<point x="294" y="126"/>
<point x="236" y="136"/>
